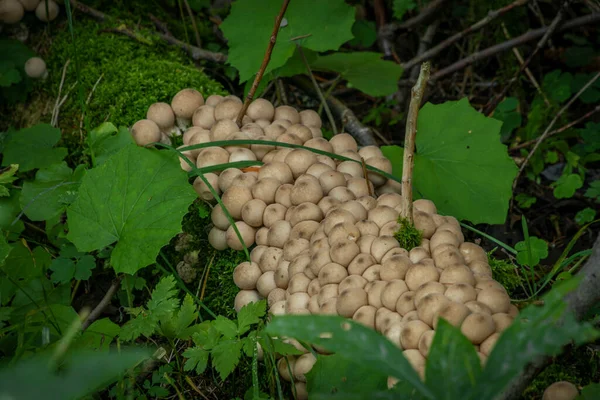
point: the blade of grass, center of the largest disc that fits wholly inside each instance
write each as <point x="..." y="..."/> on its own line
<point x="490" y="238"/>
<point x="529" y="253"/>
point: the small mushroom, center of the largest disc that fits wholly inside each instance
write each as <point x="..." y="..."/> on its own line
<point x="562" y="390"/>
<point x="48" y="14"/>
<point x="35" y="68"/>
<point x="145" y="132"/>
<point x="184" y="103"/>
<point x="162" y="114"/>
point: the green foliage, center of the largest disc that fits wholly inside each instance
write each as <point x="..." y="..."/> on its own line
<point x="566" y="186"/>
<point x="365" y="33"/>
<point x="460" y="163"/>
<point x="407" y="235"/>
<point x="33" y="147"/>
<point x="7" y="176"/>
<point x="247" y="28"/>
<point x="72" y="265"/>
<point x="593" y="191"/>
<point x="106" y="140"/>
<point x="81" y="374"/>
<point x="507" y="112"/>
<point x="359" y="68"/>
<point x="401" y="7"/>
<point x="531" y="250"/>
<point x="590" y="392"/>
<point x="14" y="82"/>
<point x="537" y="331"/>
<point x="525" y="201"/>
<point x="137" y="199"/>
<point x="505" y="273"/>
<point x="133" y="76"/>
<point x="54" y="188"/>
<point x="585" y="216"/>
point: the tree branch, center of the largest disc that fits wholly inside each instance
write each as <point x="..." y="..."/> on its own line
<point x="580" y="301"/>
<point x="363" y="134"/>
<point x="99" y="309"/>
<point x="426" y="13"/>
<point x="509" y="44"/>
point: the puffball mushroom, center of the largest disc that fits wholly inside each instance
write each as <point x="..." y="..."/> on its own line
<point x="246" y="232"/>
<point x="246" y="274"/>
<point x="11" y="11"/>
<point x="245" y="297"/>
<point x="47" y="14"/>
<point x="261" y="109"/>
<point x="163" y="115"/>
<point x="562" y="390"/>
<point x="145" y="132"/>
<point x="202" y="188"/>
<point x="477" y="327"/>
<point x="184" y="103"/>
<point x="29" y="5"/>
<point x="351" y="300"/>
<point x="35" y="68"/>
<point x="217" y="238"/>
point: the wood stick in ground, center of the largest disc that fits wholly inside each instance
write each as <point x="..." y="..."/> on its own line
<point x="509" y="44"/>
<point x="416" y="97"/>
<point x="551" y="29"/>
<point x="264" y="64"/>
<point x="548" y="129"/>
<point x="434" y="51"/>
<point x="99" y="309"/>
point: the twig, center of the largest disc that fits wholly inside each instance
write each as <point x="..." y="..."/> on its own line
<point x="528" y="72"/>
<point x="366" y="175"/>
<point x="427" y="12"/>
<point x="551" y="29"/>
<point x="409" y="140"/>
<point x="60" y="104"/>
<point x="434" y="51"/>
<point x="265" y="62"/>
<point x="161" y="26"/>
<point x="363" y="134"/>
<point x="281" y="95"/>
<point x="87" y="101"/>
<point x="547" y="131"/>
<point x="99" y="309"/>
<point x="509" y="44"/>
<point x="318" y="91"/>
<point x="384" y="42"/>
<point x="194" y="26"/>
<point x="559" y="130"/>
<point x="54" y="117"/>
<point x="88" y="10"/>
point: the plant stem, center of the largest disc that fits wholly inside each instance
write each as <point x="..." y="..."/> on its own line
<point x="191" y="14"/>
<point x="97" y="311"/>
<point x="264" y="64"/>
<point x="416" y="96"/>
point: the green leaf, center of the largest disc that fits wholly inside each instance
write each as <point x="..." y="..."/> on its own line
<point x="328" y="24"/>
<point x="524" y="200"/>
<point x="365" y="33"/>
<point x="584" y="216"/>
<point x="99" y="335"/>
<point x="9" y="76"/>
<point x="567" y="185"/>
<point x="9" y="213"/>
<point x="401" y="7"/>
<point x="365" y="71"/>
<point x="5" y="248"/>
<point x="590" y="392"/>
<point x="64" y="269"/>
<point x="38" y="293"/>
<point x="6" y="177"/>
<point x="185" y="316"/>
<point x="337" y="377"/>
<point x="460" y="163"/>
<point x="53" y="189"/>
<point x="107" y="140"/>
<point x="83" y="373"/>
<point x="551" y="157"/>
<point x="351" y="340"/>
<point x="507" y="112"/>
<point x="539" y="251"/>
<point x="591" y="94"/>
<point x="537" y="331"/>
<point x="557" y="85"/>
<point x="21" y="266"/>
<point x="225" y="356"/>
<point x="137" y="198"/>
<point x="84" y="267"/>
<point x="578" y="56"/>
<point x="451" y="355"/>
<point x="33" y="148"/>
<point x="590" y="135"/>
<point x="250" y="314"/>
<point x="593" y="191"/>
<point x="197" y="359"/>
<point x="225" y="326"/>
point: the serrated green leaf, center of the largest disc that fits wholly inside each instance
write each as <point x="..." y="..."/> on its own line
<point x="6" y="177"/>
<point x="137" y="198"/>
<point x="225" y="356"/>
<point x="584" y="216"/>
<point x="185" y="316"/>
<point x="197" y="359"/>
<point x="250" y="314"/>
<point x="539" y="251"/>
<point x="53" y="189"/>
<point x="451" y="354"/>
<point x="351" y="340"/>
<point x="535" y="332"/>
<point x="401" y="7"/>
<point x="83" y="373"/>
<point x="460" y="163"/>
<point x="106" y="140"/>
<point x="225" y="326"/>
<point x="567" y="185"/>
<point x="84" y="267"/>
<point x="99" y="335"/>
<point x="328" y="25"/>
<point x="366" y="71"/>
<point x="163" y="300"/>
<point x="337" y="377"/>
<point x="33" y="148"/>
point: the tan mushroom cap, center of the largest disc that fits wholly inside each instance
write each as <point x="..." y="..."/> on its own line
<point x="163" y="115"/>
<point x="145" y="132"/>
<point x="35" y="68"/>
<point x="47" y="15"/>
<point x="29" y="5"/>
<point x="11" y="11"/>
<point x="561" y="390"/>
<point x="184" y="103"/>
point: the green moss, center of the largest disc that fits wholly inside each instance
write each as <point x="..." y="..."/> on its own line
<point x="408" y="236"/>
<point x="505" y="273"/>
<point x="134" y="75"/>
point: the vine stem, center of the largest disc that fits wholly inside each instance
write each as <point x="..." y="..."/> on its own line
<point x="416" y="96"/>
<point x="264" y="64"/>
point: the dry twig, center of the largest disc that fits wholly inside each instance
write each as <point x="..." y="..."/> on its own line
<point x="416" y="97"/>
<point x="194" y="26"/>
<point x="265" y="62"/>
<point x="551" y="29"/>
<point x="426" y="13"/>
<point x="99" y="309"/>
<point x="54" y="117"/>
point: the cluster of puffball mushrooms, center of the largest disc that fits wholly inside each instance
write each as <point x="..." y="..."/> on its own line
<point x="12" y="11"/>
<point x="324" y="233"/>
